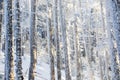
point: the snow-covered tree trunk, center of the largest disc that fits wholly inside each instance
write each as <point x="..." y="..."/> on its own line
<point x="75" y="34"/>
<point x="0" y="28"/>
<point x="9" y="70"/>
<point x="33" y="45"/>
<point x="112" y="51"/>
<point x="116" y="28"/>
<point x="64" y="40"/>
<point x="76" y="51"/>
<point x="118" y="20"/>
<point x="57" y="39"/>
<point x="1" y="10"/>
<point x="107" y="65"/>
<point x="19" y="74"/>
<point x="115" y="35"/>
<point x="49" y="41"/>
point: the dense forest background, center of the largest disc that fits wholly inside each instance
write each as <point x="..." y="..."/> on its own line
<point x="59" y="39"/>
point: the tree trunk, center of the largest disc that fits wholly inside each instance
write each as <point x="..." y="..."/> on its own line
<point x="49" y="41"/>
<point x="9" y="71"/>
<point x="19" y="74"/>
<point x="109" y="20"/>
<point x="57" y="39"/>
<point x="33" y="45"/>
<point x="0" y="28"/>
<point x="75" y="32"/>
<point x="78" y="60"/>
<point x="1" y="18"/>
<point x="116" y="32"/>
<point x="64" y="40"/>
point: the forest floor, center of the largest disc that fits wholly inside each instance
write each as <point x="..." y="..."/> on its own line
<point x="42" y="68"/>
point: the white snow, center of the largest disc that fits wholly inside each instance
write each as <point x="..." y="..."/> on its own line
<point x="42" y="68"/>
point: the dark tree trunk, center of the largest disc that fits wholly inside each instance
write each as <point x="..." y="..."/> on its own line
<point x="19" y="74"/>
<point x="33" y="45"/>
<point x="9" y="71"/>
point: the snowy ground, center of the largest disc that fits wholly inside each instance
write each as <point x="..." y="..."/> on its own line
<point x="42" y="69"/>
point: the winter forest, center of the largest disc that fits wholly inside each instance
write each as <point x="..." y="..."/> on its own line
<point x="59" y="39"/>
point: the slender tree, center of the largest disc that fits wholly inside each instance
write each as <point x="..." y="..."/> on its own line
<point x="64" y="40"/>
<point x="9" y="70"/>
<point x="75" y="32"/>
<point x="116" y="22"/>
<point x="19" y="74"/>
<point x="1" y="8"/>
<point x="49" y="41"/>
<point x="57" y="39"/>
<point x="33" y="45"/>
<point x="109" y="18"/>
<point x="76" y="51"/>
<point x="106" y="54"/>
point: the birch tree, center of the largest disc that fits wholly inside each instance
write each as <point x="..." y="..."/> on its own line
<point x="33" y="45"/>
<point x="64" y="40"/>
<point x="19" y="74"/>
<point x="49" y="41"/>
<point x="9" y="70"/>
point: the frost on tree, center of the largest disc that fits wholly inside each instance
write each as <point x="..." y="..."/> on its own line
<point x="110" y="19"/>
<point x="49" y="40"/>
<point x="19" y="74"/>
<point x="55" y="15"/>
<point x="116" y="28"/>
<point x="64" y="39"/>
<point x="9" y="71"/>
<point x="33" y="45"/>
<point x="1" y="12"/>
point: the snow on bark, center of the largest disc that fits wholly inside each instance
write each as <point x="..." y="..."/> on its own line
<point x="55" y="15"/>
<point x="49" y="41"/>
<point x="112" y="52"/>
<point x="9" y="70"/>
<point x="64" y="40"/>
<point x="1" y="18"/>
<point x="116" y="30"/>
<point x="33" y="45"/>
<point x="78" y="62"/>
<point x="75" y="32"/>
<point x="19" y="74"/>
